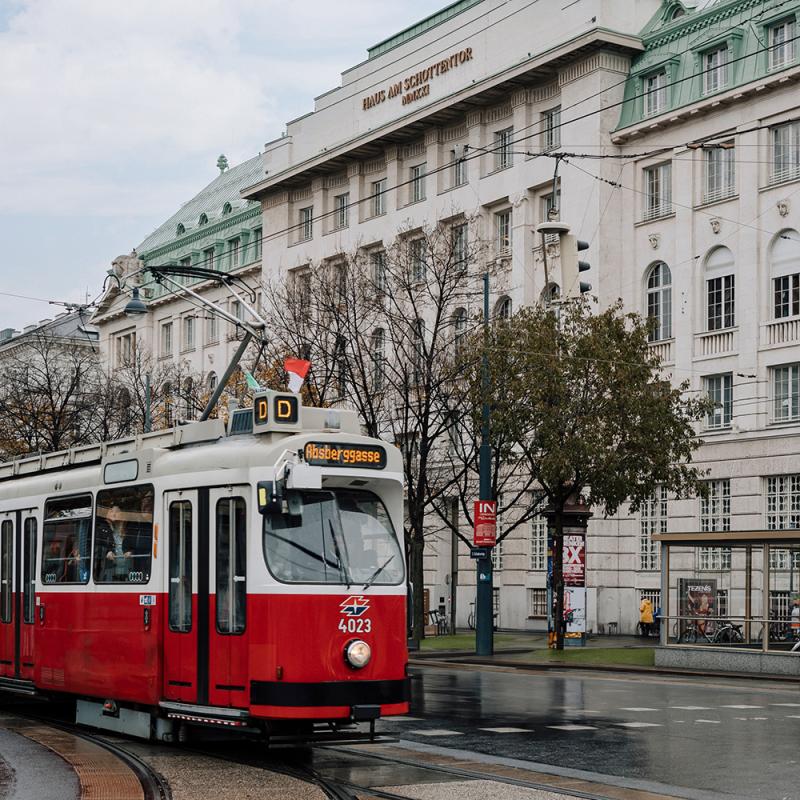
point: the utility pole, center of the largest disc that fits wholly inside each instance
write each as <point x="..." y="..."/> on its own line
<point x="484" y="618"/>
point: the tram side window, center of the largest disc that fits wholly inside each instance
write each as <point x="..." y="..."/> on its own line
<point x="6" y="560"/>
<point x="67" y="539"/>
<point x="180" y="566"/>
<point x="29" y="572"/>
<point x="124" y="535"/>
<point x="231" y="564"/>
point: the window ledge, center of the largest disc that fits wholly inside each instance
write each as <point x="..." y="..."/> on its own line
<point x="659" y="218"/>
<point x="772" y="183"/>
<point x="716" y="200"/>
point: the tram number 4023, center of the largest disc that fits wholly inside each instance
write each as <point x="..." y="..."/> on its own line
<point x="355" y="625"/>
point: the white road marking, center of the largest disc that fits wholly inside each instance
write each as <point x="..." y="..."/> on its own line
<point x="572" y="727"/>
<point x="506" y="730"/>
<point x="691" y="708"/>
<point x="788" y="705"/>
<point x="638" y="724"/>
<point x="437" y="732"/>
<point x="793" y="716"/>
<point x="401" y="719"/>
<point x="741" y="706"/>
<point x="709" y="721"/>
<point x="639" y="708"/>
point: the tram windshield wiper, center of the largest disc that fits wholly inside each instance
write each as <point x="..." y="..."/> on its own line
<point x="374" y="576"/>
<point x="342" y="564"/>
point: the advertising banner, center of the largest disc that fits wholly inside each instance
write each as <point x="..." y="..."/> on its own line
<point x="485" y="516"/>
<point x="575" y="559"/>
<point x="574" y="567"/>
<point x="575" y="611"/>
<point x="696" y="598"/>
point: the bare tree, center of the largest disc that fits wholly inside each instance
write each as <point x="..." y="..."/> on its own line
<point x="387" y="332"/>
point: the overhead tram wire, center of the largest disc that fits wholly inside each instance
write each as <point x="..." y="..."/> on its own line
<point x="536" y="124"/>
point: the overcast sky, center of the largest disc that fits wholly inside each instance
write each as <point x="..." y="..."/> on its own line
<point x="113" y="113"/>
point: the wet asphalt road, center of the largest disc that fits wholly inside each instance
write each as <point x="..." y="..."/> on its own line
<point x="705" y="738"/>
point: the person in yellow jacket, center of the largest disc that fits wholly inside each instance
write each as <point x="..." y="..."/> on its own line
<point x="646" y="616"/>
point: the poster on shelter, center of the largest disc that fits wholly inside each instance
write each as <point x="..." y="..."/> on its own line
<point x="575" y="559"/>
<point x="575" y="611"/>
<point x="697" y="598"/>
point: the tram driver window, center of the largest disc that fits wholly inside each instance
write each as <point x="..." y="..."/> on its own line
<point x="67" y="539"/>
<point x="123" y="535"/>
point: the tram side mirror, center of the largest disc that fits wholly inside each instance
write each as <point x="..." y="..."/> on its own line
<point x="270" y="497"/>
<point x="294" y="504"/>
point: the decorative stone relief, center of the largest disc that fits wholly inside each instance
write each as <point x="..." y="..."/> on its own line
<point x="784" y="207"/>
<point x="715" y="224"/>
<point x="655" y="240"/>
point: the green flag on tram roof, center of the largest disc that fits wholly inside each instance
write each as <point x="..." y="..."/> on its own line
<point x="252" y="383"/>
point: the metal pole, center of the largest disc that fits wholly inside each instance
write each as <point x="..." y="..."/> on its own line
<point x="223" y="381"/>
<point x="484" y="642"/>
<point x="148" y="400"/>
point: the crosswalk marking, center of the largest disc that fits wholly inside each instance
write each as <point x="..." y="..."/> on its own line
<point x="691" y="708"/>
<point x="506" y="730"/>
<point x="638" y="724"/>
<point x="740" y="706"/>
<point x="572" y="727"/>
<point x="788" y="705"/>
<point x="401" y="719"/>
<point x="638" y="708"/>
<point x="437" y="732"/>
<point x="709" y="721"/>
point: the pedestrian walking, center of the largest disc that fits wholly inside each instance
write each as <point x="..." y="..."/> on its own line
<point x="795" y="619"/>
<point x="646" y="616"/>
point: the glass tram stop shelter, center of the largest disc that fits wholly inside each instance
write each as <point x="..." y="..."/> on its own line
<point x="727" y="599"/>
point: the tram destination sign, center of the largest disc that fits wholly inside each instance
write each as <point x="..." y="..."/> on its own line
<point x="329" y="454"/>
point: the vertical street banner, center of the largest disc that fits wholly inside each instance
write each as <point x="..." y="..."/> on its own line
<point x="575" y="559"/>
<point x="485" y="518"/>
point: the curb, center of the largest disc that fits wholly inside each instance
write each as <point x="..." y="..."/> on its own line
<point x="472" y="660"/>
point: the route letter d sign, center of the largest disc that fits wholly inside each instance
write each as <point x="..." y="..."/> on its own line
<point x="485" y="516"/>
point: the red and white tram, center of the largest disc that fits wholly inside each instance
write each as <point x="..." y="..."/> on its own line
<point x="247" y="576"/>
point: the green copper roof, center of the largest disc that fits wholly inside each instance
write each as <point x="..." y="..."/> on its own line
<point x="420" y="27"/>
<point x="679" y="33"/>
<point x="211" y="201"/>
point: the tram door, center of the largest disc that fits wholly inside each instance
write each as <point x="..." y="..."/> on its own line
<point x="17" y="593"/>
<point x="227" y="677"/>
<point x="181" y="624"/>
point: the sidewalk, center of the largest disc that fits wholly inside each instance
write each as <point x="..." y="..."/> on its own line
<point x="528" y="651"/>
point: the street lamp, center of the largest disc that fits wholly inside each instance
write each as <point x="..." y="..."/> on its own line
<point x="136" y="306"/>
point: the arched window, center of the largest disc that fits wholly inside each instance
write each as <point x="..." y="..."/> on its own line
<point x="659" y="301"/>
<point x="459" y="330"/>
<point x="502" y="311"/>
<point x="551" y="293"/>
<point x="720" y="306"/>
<point x="180" y="230"/>
<point x="187" y="407"/>
<point x="226" y="209"/>
<point x="784" y="263"/>
<point x="203" y="219"/>
<point x="212" y="381"/>
<point x="378" y="348"/>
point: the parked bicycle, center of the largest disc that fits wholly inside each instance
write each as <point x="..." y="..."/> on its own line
<point x="711" y="632"/>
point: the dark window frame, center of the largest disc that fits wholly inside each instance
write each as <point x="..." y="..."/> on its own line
<point x="30" y="528"/>
<point x="240" y="552"/>
<point x="46" y="540"/>
<point x="181" y="626"/>
<point x="6" y="571"/>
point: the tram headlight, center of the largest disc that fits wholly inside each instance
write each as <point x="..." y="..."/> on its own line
<point x="357" y="653"/>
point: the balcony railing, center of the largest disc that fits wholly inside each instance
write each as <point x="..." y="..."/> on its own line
<point x="665" y="350"/>
<point x="662" y="209"/>
<point x="781" y="331"/>
<point x="715" y="343"/>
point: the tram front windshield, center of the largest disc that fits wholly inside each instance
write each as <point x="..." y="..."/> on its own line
<point x="341" y="536"/>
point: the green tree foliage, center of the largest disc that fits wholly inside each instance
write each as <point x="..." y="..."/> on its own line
<point x="582" y="401"/>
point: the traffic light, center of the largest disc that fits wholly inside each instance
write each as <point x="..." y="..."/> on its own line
<point x="572" y="266"/>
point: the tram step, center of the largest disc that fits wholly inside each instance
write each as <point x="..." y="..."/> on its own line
<point x="18" y="686"/>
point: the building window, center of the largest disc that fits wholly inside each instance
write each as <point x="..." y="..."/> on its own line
<point x="341" y="204"/>
<point x="785" y="152"/>
<point x="417" y="252"/>
<point x="306" y="224"/>
<point x="538" y="561"/>
<point x="659" y="302"/>
<point x="653" y="595"/>
<point x="719" y="389"/>
<point x="458" y="168"/>
<point x="658" y="191"/>
<point x="720" y="178"/>
<point x="715" y="510"/>
<point x="502" y="230"/>
<point x="502" y="311"/>
<point x="497" y="552"/>
<point x="418" y="183"/>
<point x="188" y="333"/>
<point x="166" y="339"/>
<point x="212" y="382"/>
<point x="537" y="602"/>
<point x="459" y="243"/>
<point x="655" y="93"/>
<point x="212" y="328"/>
<point x="653" y="520"/>
<point x="713" y="559"/>
<point x="720" y="294"/>
<point x="378" y="197"/>
<point x="378" y="347"/>
<point x="503" y="157"/>
<point x="257" y="236"/>
<point x="784" y="262"/>
<point x="787" y="295"/>
<point x="125" y="348"/>
<point x="781" y="44"/>
<point x="715" y="69"/>
<point x="551" y="129"/>
<point x="378" y="260"/>
<point x="208" y="258"/>
<point x="786" y="393"/>
<point x="418" y="366"/>
<point x="783" y="502"/>
<point x="233" y="253"/>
